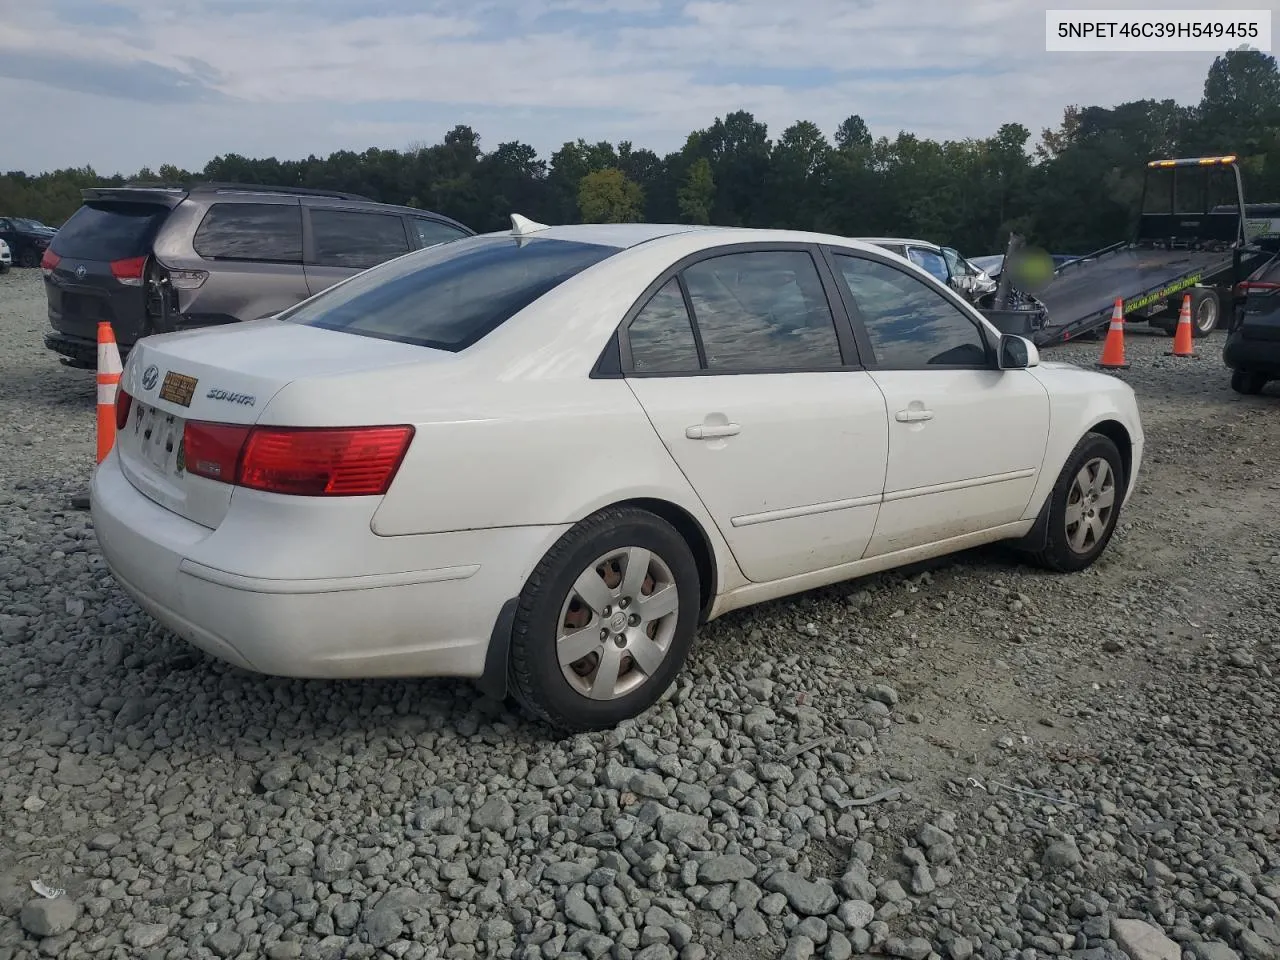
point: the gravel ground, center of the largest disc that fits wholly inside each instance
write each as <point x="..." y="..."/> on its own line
<point x="971" y="759"/>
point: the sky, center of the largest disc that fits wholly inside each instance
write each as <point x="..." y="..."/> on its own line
<point x="121" y="84"/>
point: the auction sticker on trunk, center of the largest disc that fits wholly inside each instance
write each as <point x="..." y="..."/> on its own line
<point x="178" y="388"/>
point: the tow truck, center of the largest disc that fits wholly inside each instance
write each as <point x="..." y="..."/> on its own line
<point x="1191" y="238"/>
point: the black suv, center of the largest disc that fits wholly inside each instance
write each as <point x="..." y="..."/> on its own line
<point x="1252" y="350"/>
<point x="155" y="259"/>
<point x="27" y="239"/>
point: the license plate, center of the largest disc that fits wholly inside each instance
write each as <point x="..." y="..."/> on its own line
<point x="159" y="438"/>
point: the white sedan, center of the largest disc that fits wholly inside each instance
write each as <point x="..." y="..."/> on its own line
<point x="540" y="459"/>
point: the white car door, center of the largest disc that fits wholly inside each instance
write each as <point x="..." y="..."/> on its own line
<point x="746" y="366"/>
<point x="966" y="439"/>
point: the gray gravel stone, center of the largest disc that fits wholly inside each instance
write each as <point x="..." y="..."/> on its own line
<point x="495" y="814"/>
<point x="1142" y="941"/>
<point x="1213" y="950"/>
<point x="798" y="947"/>
<point x="807" y="897"/>
<point x="750" y="925"/>
<point x="145" y="935"/>
<point x="49" y="918"/>
<point x="1061" y="855"/>
<point x="913" y="948"/>
<point x="856" y="914"/>
<point x="726" y="869"/>
<point x="225" y="943"/>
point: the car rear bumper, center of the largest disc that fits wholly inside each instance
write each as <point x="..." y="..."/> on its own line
<point x="434" y="620"/>
<point x="1262" y="356"/>
<point x="77" y="351"/>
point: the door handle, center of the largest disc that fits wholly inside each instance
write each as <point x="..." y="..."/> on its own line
<point x="708" y="431"/>
<point x="913" y="416"/>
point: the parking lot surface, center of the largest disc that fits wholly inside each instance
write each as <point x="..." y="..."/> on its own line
<point x="968" y="759"/>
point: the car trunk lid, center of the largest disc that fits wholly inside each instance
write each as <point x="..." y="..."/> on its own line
<point x="226" y="375"/>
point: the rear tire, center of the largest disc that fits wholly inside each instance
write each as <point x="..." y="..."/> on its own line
<point x="1083" y="507"/>
<point x="1248" y="382"/>
<point x="1206" y="308"/>
<point x="594" y="641"/>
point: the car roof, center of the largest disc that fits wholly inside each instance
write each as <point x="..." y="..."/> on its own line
<point x="171" y="195"/>
<point x="918" y="243"/>
<point x="626" y="235"/>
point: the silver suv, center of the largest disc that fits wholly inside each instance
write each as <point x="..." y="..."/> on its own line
<point x="155" y="259"/>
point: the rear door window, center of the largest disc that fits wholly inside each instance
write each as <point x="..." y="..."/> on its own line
<point x="109" y="231"/>
<point x="346" y="238"/>
<point x="269" y="232"/>
<point x="431" y="232"/>
<point x="762" y="310"/>
<point x="450" y="295"/>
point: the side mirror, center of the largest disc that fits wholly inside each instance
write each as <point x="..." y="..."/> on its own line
<point x="1017" y="353"/>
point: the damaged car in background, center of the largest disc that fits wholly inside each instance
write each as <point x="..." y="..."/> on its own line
<point x="160" y="259"/>
<point x="1011" y="310"/>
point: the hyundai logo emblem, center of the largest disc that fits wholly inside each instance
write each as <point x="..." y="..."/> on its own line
<point x="150" y="376"/>
<point x="81" y="272"/>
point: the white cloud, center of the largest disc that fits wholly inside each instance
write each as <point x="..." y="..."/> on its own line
<point x="940" y="68"/>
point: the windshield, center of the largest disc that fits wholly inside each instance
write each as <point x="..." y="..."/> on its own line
<point x="449" y="296"/>
<point x="24" y="224"/>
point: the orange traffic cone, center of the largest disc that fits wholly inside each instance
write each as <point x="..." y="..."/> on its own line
<point x="1113" y="350"/>
<point x="109" y="370"/>
<point x="1182" y="339"/>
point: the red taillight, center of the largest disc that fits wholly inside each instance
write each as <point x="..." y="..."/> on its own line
<point x="360" y="461"/>
<point x="129" y="272"/>
<point x="123" y="404"/>
<point x="301" y="461"/>
<point x="49" y="262"/>
<point x="212" y="450"/>
<point x="1247" y="287"/>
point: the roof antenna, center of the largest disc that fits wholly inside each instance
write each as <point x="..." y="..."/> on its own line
<point x="523" y="226"/>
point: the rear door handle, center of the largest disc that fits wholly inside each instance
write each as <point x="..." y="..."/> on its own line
<point x="913" y="416"/>
<point x="707" y="431"/>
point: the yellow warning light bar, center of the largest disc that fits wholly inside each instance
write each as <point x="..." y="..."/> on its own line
<point x="1194" y="161"/>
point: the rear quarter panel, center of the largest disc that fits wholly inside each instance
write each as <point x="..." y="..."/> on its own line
<point x="509" y="453"/>
<point x="240" y="289"/>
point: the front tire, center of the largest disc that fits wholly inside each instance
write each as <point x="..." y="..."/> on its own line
<point x="28" y="258"/>
<point x="605" y="621"/>
<point x="1084" y="506"/>
<point x="1248" y="382"/>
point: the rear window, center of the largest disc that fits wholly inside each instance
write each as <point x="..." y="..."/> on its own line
<point x="114" y="231"/>
<point x="449" y="296"/>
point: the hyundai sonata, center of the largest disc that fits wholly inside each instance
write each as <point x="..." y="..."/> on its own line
<point x="541" y="458"/>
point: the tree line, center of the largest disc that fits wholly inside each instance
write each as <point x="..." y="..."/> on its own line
<point x="1073" y="191"/>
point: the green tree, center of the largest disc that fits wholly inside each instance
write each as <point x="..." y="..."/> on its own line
<point x="697" y="193"/>
<point x="569" y="165"/>
<point x="799" y="165"/>
<point x="607" y="196"/>
<point x="852" y="134"/>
